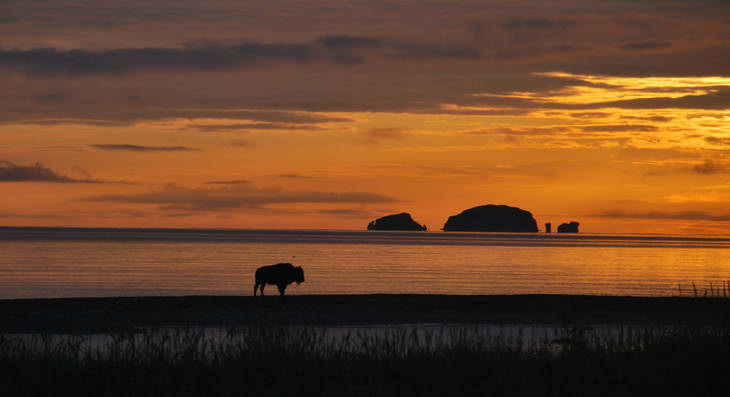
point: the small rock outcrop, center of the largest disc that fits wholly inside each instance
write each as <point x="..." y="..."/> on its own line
<point x="571" y="227"/>
<point x="402" y="221"/>
<point x="492" y="218"/>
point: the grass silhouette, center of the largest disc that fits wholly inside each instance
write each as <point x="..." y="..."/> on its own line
<point x="285" y="360"/>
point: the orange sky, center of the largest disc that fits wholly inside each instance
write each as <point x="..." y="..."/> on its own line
<point x="325" y="114"/>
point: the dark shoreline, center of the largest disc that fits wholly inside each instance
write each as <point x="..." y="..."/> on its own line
<point x="99" y="315"/>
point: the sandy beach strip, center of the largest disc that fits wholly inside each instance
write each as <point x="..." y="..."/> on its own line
<point x="93" y="315"/>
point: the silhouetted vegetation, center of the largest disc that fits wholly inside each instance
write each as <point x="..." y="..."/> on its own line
<point x="287" y="360"/>
<point x="710" y="290"/>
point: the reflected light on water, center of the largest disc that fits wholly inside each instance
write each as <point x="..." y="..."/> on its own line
<point x="362" y="263"/>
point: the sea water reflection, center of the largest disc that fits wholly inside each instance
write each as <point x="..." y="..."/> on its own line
<point x="58" y="262"/>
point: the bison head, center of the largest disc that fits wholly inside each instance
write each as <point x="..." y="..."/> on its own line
<point x="299" y="274"/>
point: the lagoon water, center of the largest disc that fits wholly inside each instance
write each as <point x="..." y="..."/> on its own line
<point x="74" y="262"/>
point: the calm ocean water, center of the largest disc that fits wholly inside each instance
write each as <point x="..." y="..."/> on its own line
<point x="67" y="262"/>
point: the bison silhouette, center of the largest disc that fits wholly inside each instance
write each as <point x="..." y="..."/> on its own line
<point x="281" y="275"/>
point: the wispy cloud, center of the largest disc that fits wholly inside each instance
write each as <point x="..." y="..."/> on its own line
<point x="46" y="62"/>
<point x="355" y="213"/>
<point x="375" y="135"/>
<point x="75" y="215"/>
<point x="11" y="172"/>
<point x="646" y="45"/>
<point x="253" y="126"/>
<point x="239" y="143"/>
<point x="232" y="182"/>
<point x="52" y="97"/>
<point x="255" y="119"/>
<point x="620" y="128"/>
<point x="139" y="148"/>
<point x="720" y="141"/>
<point x="237" y="196"/>
<point x="520" y="131"/>
<point x="680" y="215"/>
<point x="294" y="176"/>
<point x="630" y="153"/>
<point x="709" y="167"/>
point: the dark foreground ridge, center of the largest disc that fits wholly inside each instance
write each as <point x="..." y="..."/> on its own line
<point x="92" y="315"/>
<point x="270" y="358"/>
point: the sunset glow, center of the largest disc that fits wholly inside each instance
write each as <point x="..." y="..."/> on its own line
<point x="253" y="115"/>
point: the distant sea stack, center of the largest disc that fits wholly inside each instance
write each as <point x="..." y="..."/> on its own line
<point x="402" y="221"/>
<point x="492" y="218"/>
<point x="571" y="227"/>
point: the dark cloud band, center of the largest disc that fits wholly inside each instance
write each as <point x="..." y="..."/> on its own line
<point x="10" y="172"/>
<point x="237" y="196"/>
<point x="47" y="62"/>
<point x="138" y="148"/>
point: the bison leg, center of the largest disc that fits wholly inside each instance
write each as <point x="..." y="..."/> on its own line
<point x="262" y="288"/>
<point x="282" y="289"/>
<point x="255" y="287"/>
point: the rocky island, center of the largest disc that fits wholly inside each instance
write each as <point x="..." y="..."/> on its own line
<point x="571" y="227"/>
<point x="402" y="221"/>
<point x="492" y="218"/>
